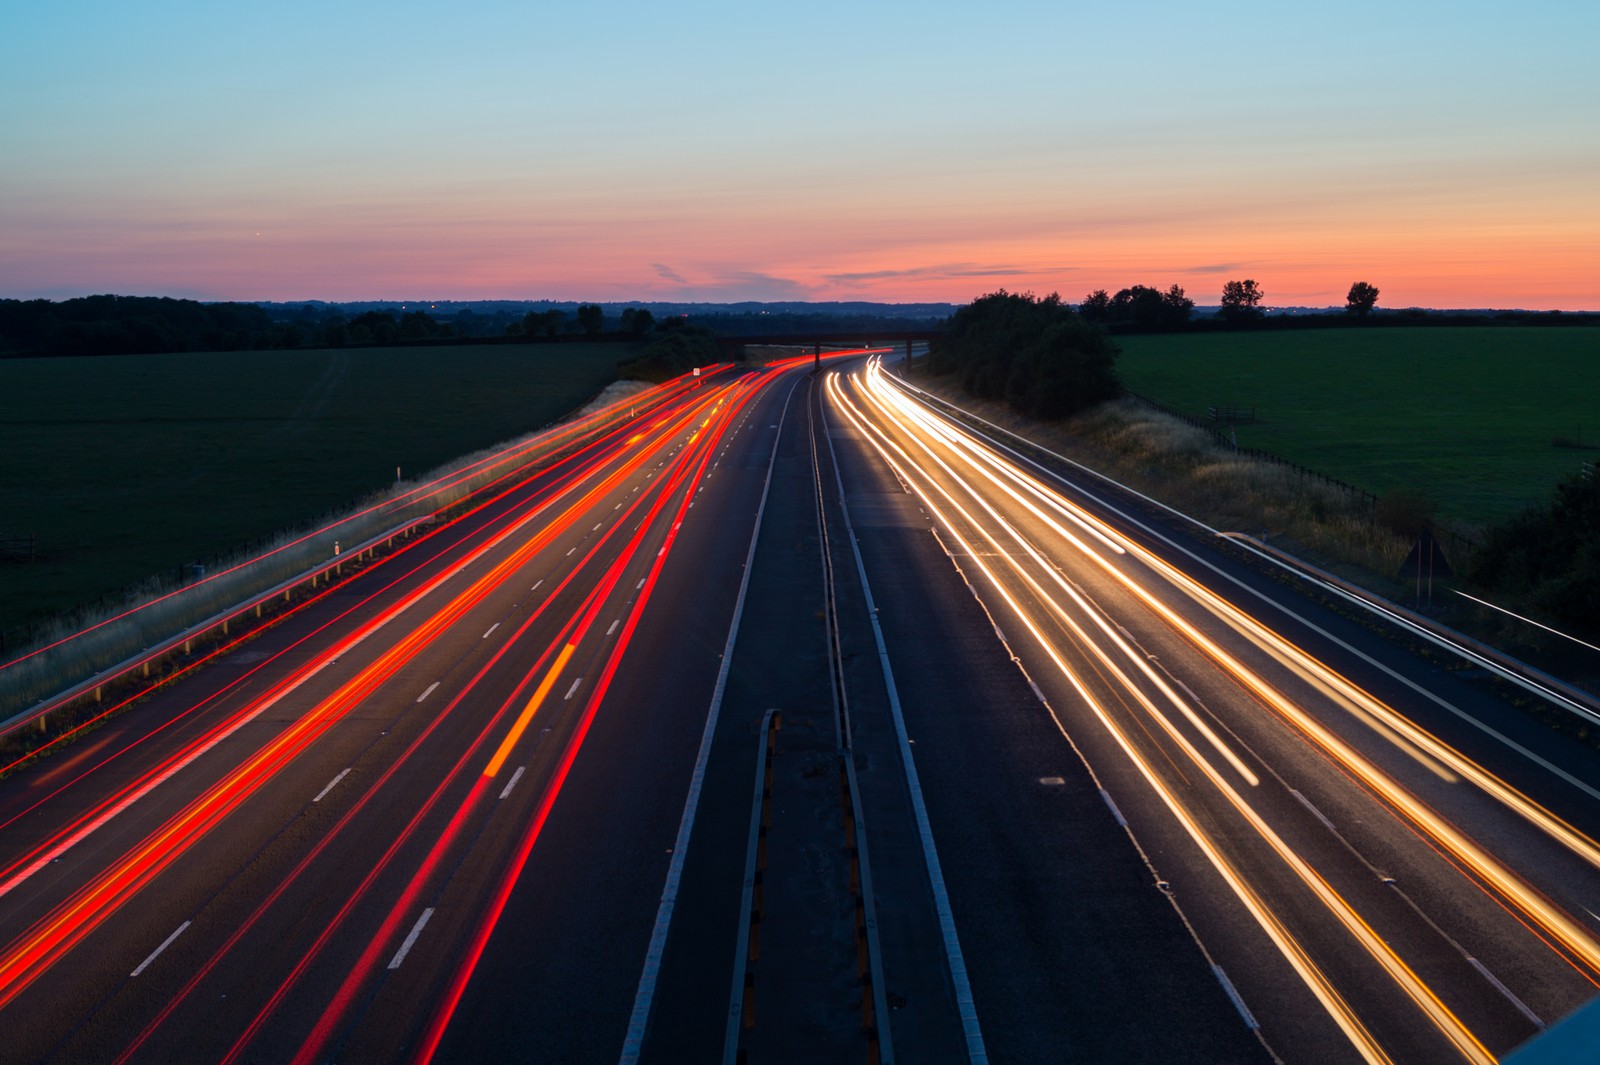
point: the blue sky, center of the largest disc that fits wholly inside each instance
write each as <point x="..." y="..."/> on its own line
<point x="882" y="151"/>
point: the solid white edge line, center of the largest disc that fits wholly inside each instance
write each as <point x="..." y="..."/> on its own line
<point x="513" y="781"/>
<point x="331" y="785"/>
<point x="154" y="954"/>
<point x="427" y="691"/>
<point x="416" y="930"/>
<point x="644" y="998"/>
<point x="1522" y="1007"/>
<point x="1121" y="821"/>
<point x="1233" y="996"/>
<point x="976" y="1052"/>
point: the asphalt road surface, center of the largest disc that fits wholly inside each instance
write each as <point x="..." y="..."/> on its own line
<point x="795" y="721"/>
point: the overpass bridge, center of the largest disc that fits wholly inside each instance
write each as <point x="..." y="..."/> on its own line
<point x="732" y="347"/>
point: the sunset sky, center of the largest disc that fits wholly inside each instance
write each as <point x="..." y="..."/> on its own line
<point x="1447" y="152"/>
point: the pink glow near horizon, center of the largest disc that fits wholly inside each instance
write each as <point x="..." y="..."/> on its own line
<point x="1510" y="266"/>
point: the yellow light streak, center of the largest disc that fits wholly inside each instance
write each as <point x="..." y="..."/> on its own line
<point x="1134" y="656"/>
<point x="528" y="711"/>
<point x="1442" y="1018"/>
<point x="1438" y="756"/>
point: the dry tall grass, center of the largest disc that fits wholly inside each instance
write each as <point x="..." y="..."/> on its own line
<point x="1188" y="469"/>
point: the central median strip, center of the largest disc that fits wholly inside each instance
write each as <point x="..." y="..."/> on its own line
<point x="955" y="961"/>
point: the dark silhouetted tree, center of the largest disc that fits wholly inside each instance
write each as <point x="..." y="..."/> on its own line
<point x="1241" y="300"/>
<point x="375" y="326"/>
<point x="591" y="319"/>
<point x="1363" y="297"/>
<point x="1140" y="305"/>
<point x="1096" y="306"/>
<point x="637" y="321"/>
<point x="1037" y="354"/>
<point x="418" y="325"/>
<point x="1175" y="307"/>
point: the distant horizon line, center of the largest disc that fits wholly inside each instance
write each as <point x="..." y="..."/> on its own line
<point x="433" y="302"/>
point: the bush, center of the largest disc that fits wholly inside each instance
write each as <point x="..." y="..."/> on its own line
<point x="1551" y="553"/>
<point x="672" y="351"/>
<point x="1037" y="354"/>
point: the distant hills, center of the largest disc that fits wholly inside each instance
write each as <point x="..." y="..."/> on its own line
<point x="615" y="309"/>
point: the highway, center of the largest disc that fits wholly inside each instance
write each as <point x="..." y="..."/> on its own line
<point x="1040" y="773"/>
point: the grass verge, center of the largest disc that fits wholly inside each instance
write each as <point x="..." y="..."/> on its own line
<point x="131" y="466"/>
<point x="1485" y="419"/>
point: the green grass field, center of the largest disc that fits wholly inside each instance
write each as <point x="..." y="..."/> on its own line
<point x="1466" y="414"/>
<point x="129" y="466"/>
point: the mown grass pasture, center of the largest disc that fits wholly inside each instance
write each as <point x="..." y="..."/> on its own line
<point x="130" y="466"/>
<point x="1486" y="420"/>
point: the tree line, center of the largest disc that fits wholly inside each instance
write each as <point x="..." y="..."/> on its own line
<point x="147" y="325"/>
<point x="1146" y="307"/>
<point x="132" y="325"/>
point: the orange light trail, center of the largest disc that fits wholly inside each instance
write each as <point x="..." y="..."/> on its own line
<point x="64" y="928"/>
